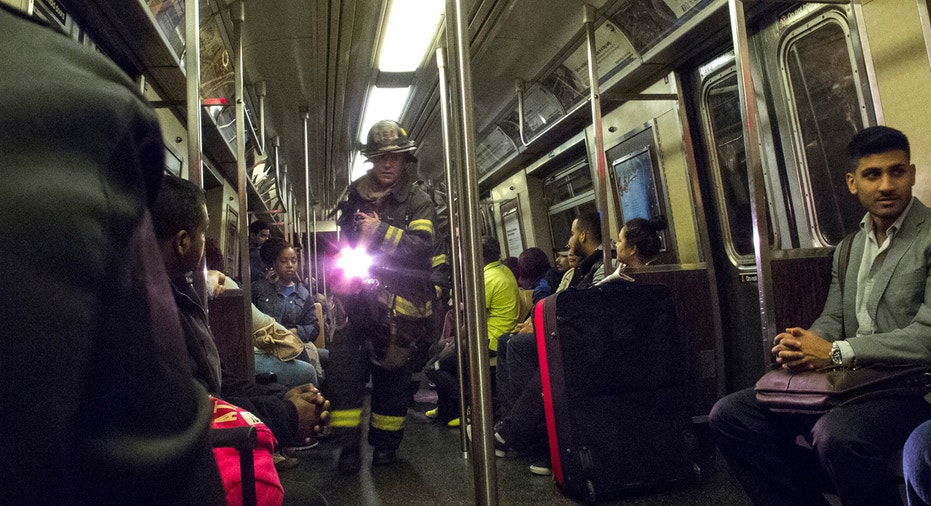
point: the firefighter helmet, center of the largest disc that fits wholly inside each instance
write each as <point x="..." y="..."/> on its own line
<point x="387" y="136"/>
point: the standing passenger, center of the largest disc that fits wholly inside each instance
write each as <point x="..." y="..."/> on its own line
<point x="97" y="404"/>
<point x="393" y="221"/>
<point x="882" y="315"/>
<point x="259" y="232"/>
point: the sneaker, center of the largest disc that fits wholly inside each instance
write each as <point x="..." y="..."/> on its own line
<point x="283" y="462"/>
<point x="350" y="460"/>
<point x="501" y="446"/>
<point x="312" y="443"/>
<point x="455" y="422"/>
<point x="432" y="413"/>
<point x="541" y="468"/>
<point x="384" y="457"/>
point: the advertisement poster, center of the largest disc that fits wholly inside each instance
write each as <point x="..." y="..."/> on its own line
<point x="510" y="215"/>
<point x="636" y="185"/>
<point x="495" y="148"/>
<point x="681" y="7"/>
<point x="612" y="50"/>
<point x="541" y="107"/>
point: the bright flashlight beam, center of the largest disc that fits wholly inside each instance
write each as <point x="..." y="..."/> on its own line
<point x="354" y="262"/>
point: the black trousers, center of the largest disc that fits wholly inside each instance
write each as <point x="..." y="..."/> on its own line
<point x="350" y="368"/>
<point x="851" y="446"/>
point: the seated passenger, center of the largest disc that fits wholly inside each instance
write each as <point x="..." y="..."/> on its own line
<point x="551" y="278"/>
<point x="638" y="244"/>
<point x="282" y="295"/>
<point x="533" y="266"/>
<point x="297" y="371"/>
<point x="882" y="315"/>
<point x="916" y="463"/>
<point x="523" y="427"/>
<point x="97" y="402"/>
<point x="180" y="218"/>
<point x="502" y="307"/>
<point x="584" y="242"/>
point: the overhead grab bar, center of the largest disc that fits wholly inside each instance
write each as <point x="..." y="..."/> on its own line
<point x="519" y="87"/>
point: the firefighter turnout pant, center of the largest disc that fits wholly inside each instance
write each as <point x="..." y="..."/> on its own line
<point x="349" y="368"/>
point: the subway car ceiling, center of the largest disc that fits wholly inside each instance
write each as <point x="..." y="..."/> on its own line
<point x="320" y="56"/>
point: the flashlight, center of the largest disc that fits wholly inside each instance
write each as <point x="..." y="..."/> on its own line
<point x="354" y="262"/>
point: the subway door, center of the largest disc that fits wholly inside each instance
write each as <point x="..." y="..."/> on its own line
<point x="722" y="168"/>
<point x="818" y="91"/>
<point x="812" y="97"/>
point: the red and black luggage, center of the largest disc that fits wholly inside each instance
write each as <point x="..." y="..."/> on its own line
<point x="614" y="369"/>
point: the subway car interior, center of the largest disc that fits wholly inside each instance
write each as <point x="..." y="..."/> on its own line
<point x="728" y="117"/>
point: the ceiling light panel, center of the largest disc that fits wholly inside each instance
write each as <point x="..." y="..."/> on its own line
<point x="382" y="103"/>
<point x="411" y="26"/>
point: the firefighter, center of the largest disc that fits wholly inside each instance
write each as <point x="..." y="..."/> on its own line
<point x="388" y="311"/>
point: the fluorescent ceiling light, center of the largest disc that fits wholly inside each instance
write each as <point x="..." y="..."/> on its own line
<point x="411" y="26"/>
<point x="359" y="166"/>
<point x="382" y="103"/>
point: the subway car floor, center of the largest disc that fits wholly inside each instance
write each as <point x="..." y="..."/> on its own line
<point x="431" y="470"/>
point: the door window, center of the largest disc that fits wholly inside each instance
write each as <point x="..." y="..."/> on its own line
<point x="826" y="110"/>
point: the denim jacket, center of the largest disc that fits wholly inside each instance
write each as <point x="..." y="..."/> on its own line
<point x="295" y="312"/>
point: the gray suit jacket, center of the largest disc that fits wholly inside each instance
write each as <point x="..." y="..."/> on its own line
<point x="900" y="302"/>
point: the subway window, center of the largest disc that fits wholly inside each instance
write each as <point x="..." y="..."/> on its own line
<point x="721" y="106"/>
<point x="569" y="183"/>
<point x="569" y="192"/>
<point x="826" y="109"/>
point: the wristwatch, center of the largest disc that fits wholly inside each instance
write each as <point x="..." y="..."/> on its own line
<point x="836" y="357"/>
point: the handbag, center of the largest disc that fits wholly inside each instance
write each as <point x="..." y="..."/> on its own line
<point x="275" y="340"/>
<point x="816" y="392"/>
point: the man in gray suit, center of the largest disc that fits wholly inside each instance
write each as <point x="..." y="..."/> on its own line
<point x="882" y="316"/>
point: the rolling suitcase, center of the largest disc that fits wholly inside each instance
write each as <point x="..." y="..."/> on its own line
<point x="614" y="368"/>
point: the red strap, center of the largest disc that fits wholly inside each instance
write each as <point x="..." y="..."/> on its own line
<point x="540" y="330"/>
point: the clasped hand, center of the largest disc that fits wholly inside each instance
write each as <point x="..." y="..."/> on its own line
<point x="798" y="350"/>
<point x="312" y="410"/>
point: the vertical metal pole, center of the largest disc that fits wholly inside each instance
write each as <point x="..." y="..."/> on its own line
<point x="316" y="277"/>
<point x="291" y="213"/>
<point x="281" y="180"/>
<point x="450" y="159"/>
<point x="857" y="7"/>
<point x="588" y="20"/>
<point x="192" y="78"/>
<point x="260" y="92"/>
<point x="193" y="113"/>
<point x="238" y="15"/>
<point x="482" y="430"/>
<point x="758" y="205"/>
<point x="305" y="116"/>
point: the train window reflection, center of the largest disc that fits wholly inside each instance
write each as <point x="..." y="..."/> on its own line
<point x="568" y="183"/>
<point x="569" y="192"/>
<point x="721" y="103"/>
<point x="826" y="110"/>
<point x="561" y="217"/>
